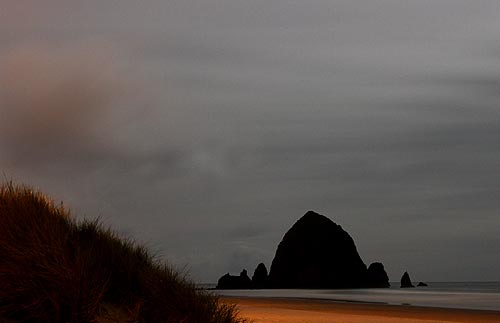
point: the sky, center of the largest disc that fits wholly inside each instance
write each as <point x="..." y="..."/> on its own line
<point x="206" y="128"/>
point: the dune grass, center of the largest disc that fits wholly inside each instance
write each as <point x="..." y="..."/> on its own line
<point x="54" y="269"/>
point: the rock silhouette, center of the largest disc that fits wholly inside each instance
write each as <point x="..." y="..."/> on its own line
<point x="317" y="253"/>
<point x="422" y="284"/>
<point x="259" y="278"/>
<point x="406" y="281"/>
<point x="235" y="282"/>
<point x="376" y="276"/>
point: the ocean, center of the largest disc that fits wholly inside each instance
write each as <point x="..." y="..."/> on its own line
<point x="466" y="295"/>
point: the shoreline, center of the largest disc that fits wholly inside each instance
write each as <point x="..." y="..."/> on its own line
<point x="295" y="310"/>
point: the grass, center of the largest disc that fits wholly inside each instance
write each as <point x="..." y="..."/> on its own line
<point x="54" y="269"/>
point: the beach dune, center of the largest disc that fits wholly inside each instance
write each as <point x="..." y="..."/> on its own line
<point x="279" y="310"/>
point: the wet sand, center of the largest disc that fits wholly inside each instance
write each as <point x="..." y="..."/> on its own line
<point x="280" y="310"/>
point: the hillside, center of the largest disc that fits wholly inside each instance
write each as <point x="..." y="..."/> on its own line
<point x="54" y="269"/>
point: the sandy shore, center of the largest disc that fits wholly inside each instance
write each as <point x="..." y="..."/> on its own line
<point x="278" y="310"/>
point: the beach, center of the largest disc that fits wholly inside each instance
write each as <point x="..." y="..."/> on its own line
<point x="290" y="310"/>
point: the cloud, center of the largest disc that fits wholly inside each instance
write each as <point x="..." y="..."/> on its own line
<point x="52" y="97"/>
<point x="226" y="119"/>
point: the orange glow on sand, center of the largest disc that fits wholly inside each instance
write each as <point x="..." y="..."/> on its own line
<point x="260" y="310"/>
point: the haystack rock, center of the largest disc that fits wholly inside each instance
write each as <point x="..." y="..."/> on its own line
<point x="259" y="278"/>
<point x="406" y="281"/>
<point x="317" y="253"/>
<point x="234" y="282"/>
<point x="377" y="277"/>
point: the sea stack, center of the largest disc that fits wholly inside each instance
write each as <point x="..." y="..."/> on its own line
<point x="234" y="282"/>
<point x="406" y="281"/>
<point x="317" y="253"/>
<point x="377" y="277"/>
<point x="259" y="278"/>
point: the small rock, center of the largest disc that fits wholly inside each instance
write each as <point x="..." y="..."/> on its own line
<point x="406" y="281"/>
<point x="259" y="278"/>
<point x="234" y="282"/>
<point x="377" y="277"/>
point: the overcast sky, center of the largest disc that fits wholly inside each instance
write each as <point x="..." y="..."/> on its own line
<point x="206" y="128"/>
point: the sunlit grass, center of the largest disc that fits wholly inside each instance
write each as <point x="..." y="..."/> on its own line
<point x="54" y="269"/>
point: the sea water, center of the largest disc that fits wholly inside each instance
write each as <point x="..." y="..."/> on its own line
<point x="466" y="295"/>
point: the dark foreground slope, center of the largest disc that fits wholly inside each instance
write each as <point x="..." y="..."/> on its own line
<point x="55" y="270"/>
